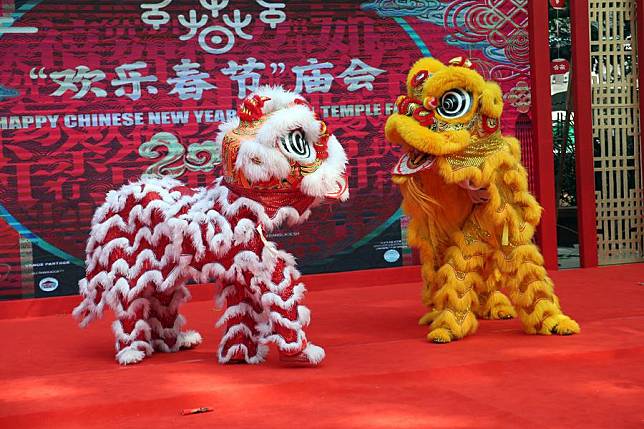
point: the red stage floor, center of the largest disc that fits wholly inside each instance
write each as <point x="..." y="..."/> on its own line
<point x="379" y="373"/>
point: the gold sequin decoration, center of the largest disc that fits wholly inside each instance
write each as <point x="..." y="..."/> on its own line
<point x="460" y="275"/>
<point x="232" y="146"/>
<point x="476" y="152"/>
<point x="459" y="315"/>
<point x="465" y="292"/>
<point x="472" y="125"/>
<point x="248" y="128"/>
<point x="469" y="239"/>
<point x="474" y="229"/>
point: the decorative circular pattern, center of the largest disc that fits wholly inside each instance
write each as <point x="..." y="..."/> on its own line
<point x="454" y="104"/>
<point x="517" y="48"/>
<point x="295" y="146"/>
<point x="520" y="97"/>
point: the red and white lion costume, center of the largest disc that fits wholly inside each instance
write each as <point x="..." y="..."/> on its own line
<point x="152" y="236"/>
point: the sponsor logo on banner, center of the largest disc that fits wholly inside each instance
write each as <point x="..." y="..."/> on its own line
<point x="48" y="284"/>
<point x="391" y="255"/>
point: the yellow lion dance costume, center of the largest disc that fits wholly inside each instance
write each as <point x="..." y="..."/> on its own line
<point x="472" y="217"/>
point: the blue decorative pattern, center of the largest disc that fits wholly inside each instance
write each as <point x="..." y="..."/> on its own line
<point x="6" y="93"/>
<point x="426" y="10"/>
<point x="434" y="12"/>
<point x="414" y="36"/>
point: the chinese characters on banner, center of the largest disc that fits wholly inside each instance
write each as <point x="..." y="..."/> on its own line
<point x="190" y="82"/>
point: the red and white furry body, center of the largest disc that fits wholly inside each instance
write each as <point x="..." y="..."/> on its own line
<point x="151" y="237"/>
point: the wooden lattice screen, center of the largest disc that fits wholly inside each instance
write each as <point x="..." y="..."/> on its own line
<point x="617" y="132"/>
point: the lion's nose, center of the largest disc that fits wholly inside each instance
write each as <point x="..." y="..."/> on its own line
<point x="422" y="111"/>
<point x="430" y="103"/>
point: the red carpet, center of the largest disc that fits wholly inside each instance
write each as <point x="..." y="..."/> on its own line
<point x="379" y="373"/>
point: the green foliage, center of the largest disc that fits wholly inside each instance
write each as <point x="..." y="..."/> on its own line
<point x="568" y="191"/>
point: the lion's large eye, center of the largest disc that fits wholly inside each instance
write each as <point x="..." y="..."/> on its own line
<point x="294" y="144"/>
<point x="454" y="103"/>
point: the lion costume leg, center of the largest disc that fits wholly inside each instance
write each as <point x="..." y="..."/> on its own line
<point x="458" y="282"/>
<point x="131" y="328"/>
<point x="281" y="297"/>
<point x="428" y="274"/>
<point x="420" y="238"/>
<point x="532" y="291"/>
<point x="494" y="304"/>
<point x="166" y="322"/>
<point x="240" y="342"/>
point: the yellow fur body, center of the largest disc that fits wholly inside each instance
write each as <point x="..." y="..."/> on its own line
<point x="470" y="251"/>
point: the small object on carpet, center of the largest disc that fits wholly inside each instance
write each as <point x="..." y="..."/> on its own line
<point x="188" y="412"/>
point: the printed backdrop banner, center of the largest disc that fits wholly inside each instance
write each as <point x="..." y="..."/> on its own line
<point x="94" y="94"/>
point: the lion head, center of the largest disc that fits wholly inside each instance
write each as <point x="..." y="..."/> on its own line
<point x="277" y="144"/>
<point x="447" y="123"/>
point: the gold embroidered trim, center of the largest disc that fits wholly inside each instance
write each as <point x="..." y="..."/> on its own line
<point x="476" y="152"/>
<point x="248" y="128"/>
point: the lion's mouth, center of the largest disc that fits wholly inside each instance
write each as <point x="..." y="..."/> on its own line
<point x="412" y="162"/>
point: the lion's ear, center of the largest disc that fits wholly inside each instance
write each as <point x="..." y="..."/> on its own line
<point x="491" y="102"/>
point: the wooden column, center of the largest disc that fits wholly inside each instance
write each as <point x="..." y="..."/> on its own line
<point x="542" y="120"/>
<point x="582" y="102"/>
<point x="639" y="47"/>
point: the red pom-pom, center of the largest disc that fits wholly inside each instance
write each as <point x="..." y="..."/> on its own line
<point x="489" y="125"/>
<point x="424" y="117"/>
<point x="419" y="78"/>
<point x="251" y="108"/>
<point x="321" y="147"/>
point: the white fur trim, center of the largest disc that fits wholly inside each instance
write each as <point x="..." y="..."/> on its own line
<point x="141" y="326"/>
<point x="237" y="310"/>
<point x="324" y="180"/>
<point x="271" y="298"/>
<point x="294" y="325"/>
<point x="244" y="231"/>
<point x="137" y="304"/>
<point x="170" y="332"/>
<point x="283" y="345"/>
<point x="304" y="315"/>
<point x="130" y="355"/>
<point x="279" y="97"/>
<point x="260" y="162"/>
<point x="259" y="357"/>
<point x="222" y="296"/>
<point x="287" y="215"/>
<point x="164" y="333"/>
<point x="315" y="354"/>
<point x="189" y="339"/>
